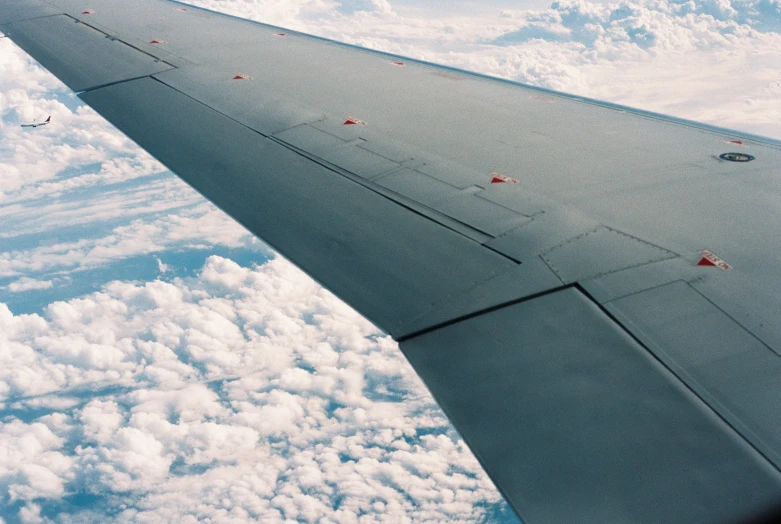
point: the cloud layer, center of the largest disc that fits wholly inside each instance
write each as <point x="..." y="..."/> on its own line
<point x="243" y="393"/>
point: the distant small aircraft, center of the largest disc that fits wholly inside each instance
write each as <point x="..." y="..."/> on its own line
<point x="38" y="124"/>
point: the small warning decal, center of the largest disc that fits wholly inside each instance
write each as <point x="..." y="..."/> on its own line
<point x="158" y="41"/>
<point x="242" y="76"/>
<point x="543" y="98"/>
<point x="88" y="12"/>
<point x="396" y="63"/>
<point x="350" y="121"/>
<point x="280" y="34"/>
<point x="709" y="259"/>
<point x="498" y="178"/>
<point x="733" y="142"/>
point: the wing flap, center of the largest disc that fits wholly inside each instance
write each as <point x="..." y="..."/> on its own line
<point x="576" y="422"/>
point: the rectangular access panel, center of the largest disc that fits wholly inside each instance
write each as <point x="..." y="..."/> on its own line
<point x="80" y="55"/>
<point x="575" y="421"/>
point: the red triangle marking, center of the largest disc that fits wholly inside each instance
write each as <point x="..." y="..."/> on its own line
<point x="88" y="12"/>
<point x="157" y="41"/>
<point x="709" y="259"/>
<point x="738" y="142"/>
<point x="498" y="178"/>
<point x="353" y="122"/>
<point x="242" y="76"/>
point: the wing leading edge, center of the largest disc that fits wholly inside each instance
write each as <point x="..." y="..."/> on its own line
<point x="595" y="369"/>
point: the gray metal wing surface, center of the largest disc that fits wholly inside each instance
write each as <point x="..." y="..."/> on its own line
<point x="590" y="292"/>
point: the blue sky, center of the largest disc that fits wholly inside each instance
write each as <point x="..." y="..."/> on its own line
<point x="161" y="364"/>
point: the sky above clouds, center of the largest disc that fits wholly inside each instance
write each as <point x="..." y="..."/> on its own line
<point x="160" y="364"/>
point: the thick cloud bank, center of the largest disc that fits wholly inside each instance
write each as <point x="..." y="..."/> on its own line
<point x="240" y="394"/>
<point x="161" y="365"/>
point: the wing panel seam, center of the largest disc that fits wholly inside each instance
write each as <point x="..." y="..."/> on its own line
<point x="8" y="24"/>
<point x="490" y="309"/>
<point x="99" y="30"/>
<point x="109" y="84"/>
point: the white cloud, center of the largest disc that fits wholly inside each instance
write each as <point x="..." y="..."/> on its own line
<point x="27" y="284"/>
<point x="112" y="171"/>
<point x="192" y="227"/>
<point x="161" y="266"/>
<point x="32" y="465"/>
<point x="247" y="393"/>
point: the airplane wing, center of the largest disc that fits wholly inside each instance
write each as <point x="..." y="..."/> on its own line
<point x="590" y="292"/>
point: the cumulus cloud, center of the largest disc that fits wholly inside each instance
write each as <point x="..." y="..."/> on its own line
<point x="245" y="393"/>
